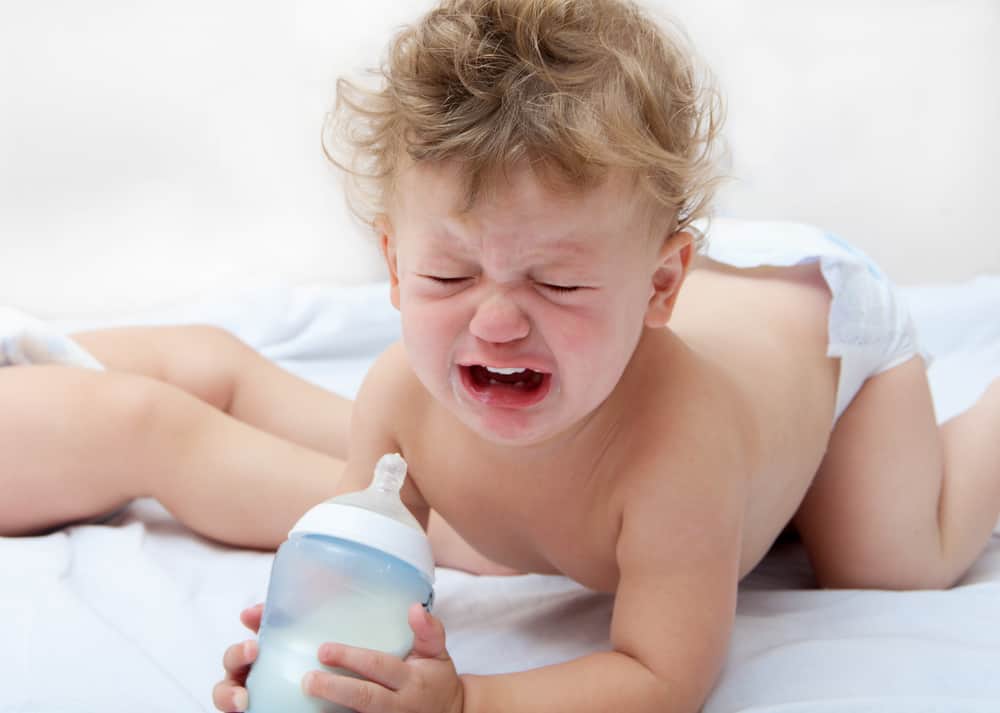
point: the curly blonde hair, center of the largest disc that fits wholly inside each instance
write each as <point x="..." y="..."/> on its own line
<point x="572" y="88"/>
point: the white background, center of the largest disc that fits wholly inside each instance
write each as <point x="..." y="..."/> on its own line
<point x="156" y="151"/>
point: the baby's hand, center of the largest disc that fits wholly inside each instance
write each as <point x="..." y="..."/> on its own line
<point x="426" y="682"/>
<point x="230" y="694"/>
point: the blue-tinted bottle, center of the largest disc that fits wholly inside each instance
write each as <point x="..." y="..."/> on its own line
<point x="349" y="572"/>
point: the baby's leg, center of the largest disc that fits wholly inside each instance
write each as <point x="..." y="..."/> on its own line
<point x="898" y="502"/>
<point x="75" y="443"/>
<point x="216" y="367"/>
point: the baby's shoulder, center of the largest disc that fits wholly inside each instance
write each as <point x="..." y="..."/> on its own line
<point x="391" y="378"/>
<point x="689" y="424"/>
<point x="391" y="392"/>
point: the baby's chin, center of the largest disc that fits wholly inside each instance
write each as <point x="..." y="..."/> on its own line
<point x="502" y="426"/>
<point x="510" y="437"/>
<point x="518" y="430"/>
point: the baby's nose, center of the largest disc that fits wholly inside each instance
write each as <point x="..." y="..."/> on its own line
<point x="499" y="319"/>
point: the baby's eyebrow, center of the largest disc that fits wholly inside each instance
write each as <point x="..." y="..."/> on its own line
<point x="447" y="244"/>
<point x="567" y="249"/>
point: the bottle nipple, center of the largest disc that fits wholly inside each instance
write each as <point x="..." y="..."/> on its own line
<point x="382" y="493"/>
<point x="390" y="472"/>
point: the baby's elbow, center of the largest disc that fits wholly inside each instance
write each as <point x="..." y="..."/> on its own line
<point x="661" y="693"/>
<point x="676" y="696"/>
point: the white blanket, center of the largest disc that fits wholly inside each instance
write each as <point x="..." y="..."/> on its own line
<point x="134" y="614"/>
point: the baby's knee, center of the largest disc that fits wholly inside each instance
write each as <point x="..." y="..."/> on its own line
<point x="207" y="362"/>
<point x="131" y="405"/>
<point x="207" y="337"/>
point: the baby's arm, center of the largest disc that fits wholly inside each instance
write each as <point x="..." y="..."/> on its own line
<point x="678" y="555"/>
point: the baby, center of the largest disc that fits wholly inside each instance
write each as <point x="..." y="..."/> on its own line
<point x="584" y="386"/>
<point x="578" y="392"/>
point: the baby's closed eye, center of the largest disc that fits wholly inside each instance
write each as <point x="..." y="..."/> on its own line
<point x="559" y="288"/>
<point x="446" y="280"/>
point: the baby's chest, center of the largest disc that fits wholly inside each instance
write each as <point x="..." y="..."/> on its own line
<point x="528" y="527"/>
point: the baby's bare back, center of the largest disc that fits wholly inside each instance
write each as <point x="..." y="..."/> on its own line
<point x="745" y="355"/>
<point x="767" y="328"/>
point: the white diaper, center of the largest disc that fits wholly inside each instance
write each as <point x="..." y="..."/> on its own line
<point x="870" y="329"/>
<point x="26" y="340"/>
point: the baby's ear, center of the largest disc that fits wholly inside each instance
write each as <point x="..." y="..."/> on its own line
<point x="387" y="244"/>
<point x="673" y="261"/>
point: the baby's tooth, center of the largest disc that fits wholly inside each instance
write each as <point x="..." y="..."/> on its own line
<point x="506" y="371"/>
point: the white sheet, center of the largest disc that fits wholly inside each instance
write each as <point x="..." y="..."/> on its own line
<point x="134" y="615"/>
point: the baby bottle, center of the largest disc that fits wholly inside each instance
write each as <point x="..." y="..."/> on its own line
<point x="348" y="572"/>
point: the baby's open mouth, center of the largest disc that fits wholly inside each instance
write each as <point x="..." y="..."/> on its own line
<point x="505" y="386"/>
<point x="518" y="378"/>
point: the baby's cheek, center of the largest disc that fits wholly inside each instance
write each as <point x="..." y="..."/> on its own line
<point x="599" y="348"/>
<point x="428" y="335"/>
<point x="428" y="318"/>
<point x="583" y="333"/>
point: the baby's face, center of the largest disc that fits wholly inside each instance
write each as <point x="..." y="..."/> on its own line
<point x="521" y="314"/>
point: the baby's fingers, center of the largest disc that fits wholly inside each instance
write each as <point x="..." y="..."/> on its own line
<point x="237" y="660"/>
<point x="251" y="616"/>
<point x="230" y="695"/>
